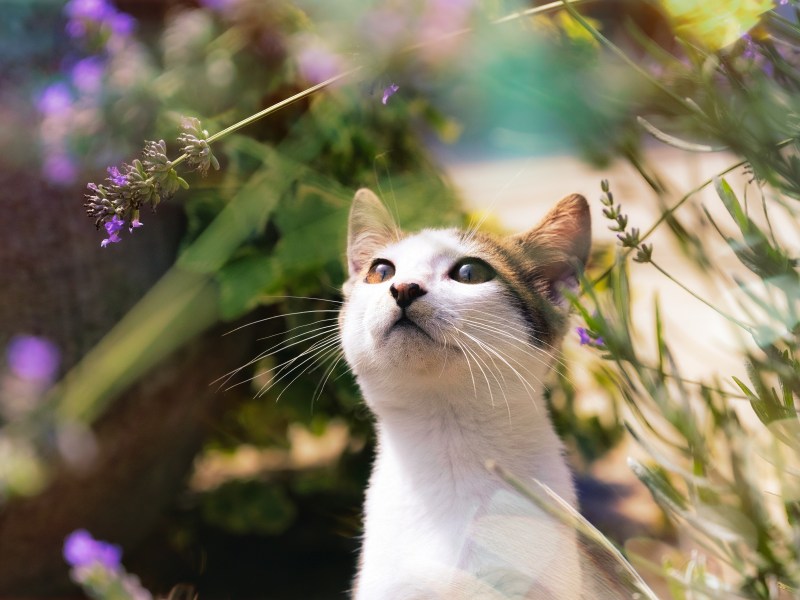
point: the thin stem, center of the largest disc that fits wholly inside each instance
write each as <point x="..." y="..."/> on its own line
<point x="734" y="320"/>
<point x="273" y="108"/>
<point x="667" y="213"/>
<point x="539" y="10"/>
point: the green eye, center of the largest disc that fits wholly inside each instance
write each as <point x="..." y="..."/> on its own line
<point x="471" y="270"/>
<point x="380" y="271"/>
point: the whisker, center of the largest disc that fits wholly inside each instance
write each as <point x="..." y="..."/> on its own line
<point x="318" y="348"/>
<point x="281" y="316"/>
<point x="280" y="366"/>
<point x="279" y="347"/>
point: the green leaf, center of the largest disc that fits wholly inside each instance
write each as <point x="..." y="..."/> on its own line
<point x="243" y="218"/>
<point x="731" y="203"/>
<point x="243" y="282"/>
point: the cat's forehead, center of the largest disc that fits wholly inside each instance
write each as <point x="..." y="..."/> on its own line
<point x="433" y="244"/>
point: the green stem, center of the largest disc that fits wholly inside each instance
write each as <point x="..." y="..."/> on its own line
<point x="734" y="320"/>
<point x="667" y="213"/>
<point x="539" y="10"/>
<point x="271" y="109"/>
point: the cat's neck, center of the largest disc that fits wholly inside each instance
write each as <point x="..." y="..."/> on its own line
<point x="438" y="437"/>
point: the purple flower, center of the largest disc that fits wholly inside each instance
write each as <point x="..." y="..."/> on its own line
<point x="389" y="91"/>
<point x="112" y="229"/>
<point x="55" y="99"/>
<point x="93" y="10"/>
<point x="121" y="23"/>
<point x="135" y="224"/>
<point x="60" y="169"/>
<point x="116" y="177"/>
<point x="584" y="336"/>
<point x="316" y="64"/>
<point x="81" y="549"/>
<point x="219" y="5"/>
<point x="33" y="358"/>
<point x="87" y="74"/>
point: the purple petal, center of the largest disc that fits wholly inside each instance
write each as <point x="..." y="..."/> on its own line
<point x="116" y="177"/>
<point x="55" y="99"/>
<point x="93" y="10"/>
<point x="113" y="226"/>
<point x="87" y="74"/>
<point x="60" y="169"/>
<point x="122" y="24"/>
<point x="81" y="549"/>
<point x="390" y="91"/>
<point x="584" y="336"/>
<point x="33" y="358"/>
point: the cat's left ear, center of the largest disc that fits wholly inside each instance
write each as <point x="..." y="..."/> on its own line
<point x="369" y="229"/>
<point x="559" y="245"/>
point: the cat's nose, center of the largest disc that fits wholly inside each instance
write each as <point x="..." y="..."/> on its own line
<point x="405" y="293"/>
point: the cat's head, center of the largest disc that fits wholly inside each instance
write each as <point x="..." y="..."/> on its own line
<point x="443" y="302"/>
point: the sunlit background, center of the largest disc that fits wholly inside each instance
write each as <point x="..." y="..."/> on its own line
<point x="171" y="388"/>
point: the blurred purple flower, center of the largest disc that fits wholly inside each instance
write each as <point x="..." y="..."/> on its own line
<point x="81" y="549"/>
<point x="113" y="228"/>
<point x="60" y="169"/>
<point x="219" y="5"/>
<point x="33" y="358"/>
<point x="87" y="74"/>
<point x="121" y="23"/>
<point x="316" y="64"/>
<point x="585" y="339"/>
<point x="135" y="224"/>
<point x="93" y="10"/>
<point x="55" y="99"/>
<point x="389" y="91"/>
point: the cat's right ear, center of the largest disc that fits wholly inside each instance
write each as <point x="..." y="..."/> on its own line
<point x="369" y="229"/>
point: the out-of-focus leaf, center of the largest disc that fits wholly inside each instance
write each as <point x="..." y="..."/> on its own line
<point x="245" y="216"/>
<point x="727" y="523"/>
<point x="244" y="282"/>
<point x="249" y="507"/>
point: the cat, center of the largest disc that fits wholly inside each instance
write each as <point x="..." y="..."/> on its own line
<point x="450" y="335"/>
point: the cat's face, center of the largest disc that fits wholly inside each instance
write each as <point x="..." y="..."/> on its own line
<point x="446" y="303"/>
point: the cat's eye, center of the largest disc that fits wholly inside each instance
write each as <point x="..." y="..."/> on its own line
<point x="380" y="271"/>
<point x="471" y="270"/>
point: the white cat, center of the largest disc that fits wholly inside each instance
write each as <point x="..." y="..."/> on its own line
<point x="450" y="335"/>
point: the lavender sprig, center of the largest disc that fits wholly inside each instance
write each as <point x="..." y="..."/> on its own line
<point x="147" y="182"/>
<point x="194" y="144"/>
<point x="628" y="238"/>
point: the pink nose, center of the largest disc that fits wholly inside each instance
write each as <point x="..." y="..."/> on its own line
<point x="405" y="293"/>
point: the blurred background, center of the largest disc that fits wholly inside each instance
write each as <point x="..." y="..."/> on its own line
<point x="178" y="391"/>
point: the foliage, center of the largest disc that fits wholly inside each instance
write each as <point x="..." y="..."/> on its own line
<point x="265" y="230"/>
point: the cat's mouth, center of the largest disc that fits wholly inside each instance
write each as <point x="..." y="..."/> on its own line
<point x="404" y="323"/>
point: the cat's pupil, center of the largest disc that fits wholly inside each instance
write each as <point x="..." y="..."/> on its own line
<point x="472" y="270"/>
<point x="465" y="273"/>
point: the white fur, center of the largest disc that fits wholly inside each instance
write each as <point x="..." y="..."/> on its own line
<point x="437" y="523"/>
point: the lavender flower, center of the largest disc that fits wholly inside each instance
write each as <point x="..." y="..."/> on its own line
<point x="195" y="145"/>
<point x="55" y="99"/>
<point x="94" y="10"/>
<point x="116" y="177"/>
<point x="81" y="550"/>
<point x="33" y="358"/>
<point x="588" y="339"/>
<point x="389" y="91"/>
<point x="112" y="228"/>
<point x="87" y="16"/>
<point x="59" y="168"/>
<point x="316" y="63"/>
<point x="584" y="336"/>
<point x="87" y="75"/>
